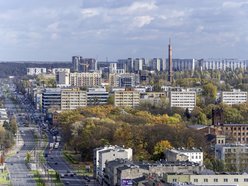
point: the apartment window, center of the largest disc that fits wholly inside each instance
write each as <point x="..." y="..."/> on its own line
<point x="195" y="180"/>
<point x="215" y="180"/>
<point x="236" y="180"/>
<point x="225" y="180"/>
<point x="174" y="180"/>
<point x="246" y="180"/>
<point x="205" y="180"/>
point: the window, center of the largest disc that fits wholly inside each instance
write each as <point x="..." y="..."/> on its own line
<point x="215" y="180"/>
<point x="205" y="180"/>
<point x="225" y="180"/>
<point x="246" y="180"/>
<point x="195" y="180"/>
<point x="174" y="180"/>
<point x="236" y="180"/>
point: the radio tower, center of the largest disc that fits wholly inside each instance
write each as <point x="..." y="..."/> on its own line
<point x="170" y="69"/>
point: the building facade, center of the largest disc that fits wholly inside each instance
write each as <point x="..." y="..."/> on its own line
<point x="97" y="96"/>
<point x="87" y="79"/>
<point x="36" y="71"/>
<point x="51" y="98"/>
<point x="127" y="98"/>
<point x="183" y="99"/>
<point x="73" y="99"/>
<point x="233" y="97"/>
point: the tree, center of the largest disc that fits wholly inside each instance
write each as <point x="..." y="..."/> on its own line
<point x="28" y="157"/>
<point x="210" y="93"/>
<point x="160" y="147"/>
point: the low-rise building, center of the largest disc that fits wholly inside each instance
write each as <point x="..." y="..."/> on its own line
<point x="208" y="179"/>
<point x="127" y="98"/>
<point x="193" y="155"/>
<point x="51" y="98"/>
<point x="234" y="97"/>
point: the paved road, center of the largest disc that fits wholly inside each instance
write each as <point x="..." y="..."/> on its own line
<point x="56" y="161"/>
<point x="19" y="173"/>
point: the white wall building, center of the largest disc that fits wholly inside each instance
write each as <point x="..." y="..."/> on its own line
<point x="193" y="155"/>
<point x="234" y="97"/>
<point x="55" y="70"/>
<point x="126" y="98"/>
<point x="183" y="99"/>
<point x="36" y="71"/>
<point x="109" y="153"/>
<point x="85" y="79"/>
<point x="63" y="79"/>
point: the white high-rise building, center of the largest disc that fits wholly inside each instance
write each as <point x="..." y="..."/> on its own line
<point x="85" y="79"/>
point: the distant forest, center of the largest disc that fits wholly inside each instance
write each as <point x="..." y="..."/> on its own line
<point x="20" y="68"/>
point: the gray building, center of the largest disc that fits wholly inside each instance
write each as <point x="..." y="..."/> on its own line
<point x="97" y="96"/>
<point x="51" y="98"/>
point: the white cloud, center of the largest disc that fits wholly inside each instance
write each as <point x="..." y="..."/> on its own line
<point x="234" y="4"/>
<point x="90" y="12"/>
<point x="141" y="21"/>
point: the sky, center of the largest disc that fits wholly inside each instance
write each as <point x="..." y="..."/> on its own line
<point x="47" y="30"/>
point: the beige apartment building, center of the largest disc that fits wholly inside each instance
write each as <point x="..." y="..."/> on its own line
<point x="73" y="98"/>
<point x="85" y="79"/>
<point x="127" y="98"/>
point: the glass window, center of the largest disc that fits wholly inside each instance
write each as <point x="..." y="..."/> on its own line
<point x="205" y="180"/>
<point x="215" y="180"/>
<point x="195" y="180"/>
<point x="236" y="180"/>
<point x="225" y="180"/>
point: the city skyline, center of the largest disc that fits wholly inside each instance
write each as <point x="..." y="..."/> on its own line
<point x="101" y="29"/>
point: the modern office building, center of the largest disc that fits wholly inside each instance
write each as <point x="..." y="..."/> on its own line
<point x="73" y="99"/>
<point x="75" y="63"/>
<point x="183" y="99"/>
<point x="125" y="64"/>
<point x="233" y="97"/>
<point x="127" y="98"/>
<point x="97" y="96"/>
<point x="36" y="71"/>
<point x="108" y="153"/>
<point x="85" y="79"/>
<point x="51" y="99"/>
<point x="193" y="155"/>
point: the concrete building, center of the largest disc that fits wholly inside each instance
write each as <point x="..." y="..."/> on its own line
<point x="63" y="79"/>
<point x="36" y="71"/>
<point x="127" y="98"/>
<point x="138" y="64"/>
<point x="51" y="98"/>
<point x="192" y="155"/>
<point x="75" y="63"/>
<point x="183" y="99"/>
<point x="157" y="64"/>
<point x="221" y="64"/>
<point x="97" y="96"/>
<point x="234" y="97"/>
<point x="55" y="70"/>
<point x="124" y="80"/>
<point x="235" y="133"/>
<point x="228" y="179"/>
<point x="106" y="154"/>
<point x="183" y="64"/>
<point x="235" y="156"/>
<point x="3" y="116"/>
<point x="73" y="99"/>
<point x="125" y="64"/>
<point x="85" y="79"/>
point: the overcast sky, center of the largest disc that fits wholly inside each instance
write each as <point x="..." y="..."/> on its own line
<point x="113" y="29"/>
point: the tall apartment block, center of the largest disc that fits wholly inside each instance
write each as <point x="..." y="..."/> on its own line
<point x="73" y="99"/>
<point x="85" y="79"/>
<point x="234" y="97"/>
<point x="127" y="98"/>
<point x="183" y="99"/>
<point x="81" y="64"/>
